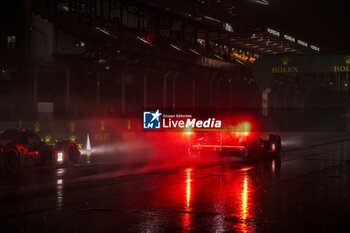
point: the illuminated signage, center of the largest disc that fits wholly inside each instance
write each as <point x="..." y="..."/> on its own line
<point x="315" y="48"/>
<point x="343" y="68"/>
<point x="284" y="68"/>
<point x="288" y="69"/>
<point x="289" y="38"/>
<point x="273" y="32"/>
<point x="262" y="2"/>
<point x="302" y="43"/>
<point x="292" y="39"/>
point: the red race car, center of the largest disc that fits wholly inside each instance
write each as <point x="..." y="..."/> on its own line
<point x="237" y="141"/>
<point x="24" y="148"/>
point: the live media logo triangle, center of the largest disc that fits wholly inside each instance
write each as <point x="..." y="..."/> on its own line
<point x="151" y="120"/>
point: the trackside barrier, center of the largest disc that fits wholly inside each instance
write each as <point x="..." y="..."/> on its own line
<point x="101" y="131"/>
<point x="105" y="131"/>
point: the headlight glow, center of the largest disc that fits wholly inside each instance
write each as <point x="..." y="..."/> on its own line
<point x="59" y="157"/>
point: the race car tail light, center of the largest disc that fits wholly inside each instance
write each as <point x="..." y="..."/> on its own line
<point x="273" y="147"/>
<point x="246" y="128"/>
<point x="59" y="156"/>
<point x="243" y="129"/>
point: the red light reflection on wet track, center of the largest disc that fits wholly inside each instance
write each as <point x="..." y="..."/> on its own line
<point x="244" y="210"/>
<point x="219" y="198"/>
<point x="188" y="188"/>
<point x="186" y="218"/>
<point x="236" y="188"/>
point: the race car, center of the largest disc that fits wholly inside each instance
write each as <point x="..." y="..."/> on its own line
<point x="239" y="141"/>
<point x="24" y="148"/>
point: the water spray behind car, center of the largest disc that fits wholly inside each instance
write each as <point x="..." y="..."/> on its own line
<point x="117" y="146"/>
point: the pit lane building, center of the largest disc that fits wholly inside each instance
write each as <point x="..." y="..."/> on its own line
<point x="75" y="58"/>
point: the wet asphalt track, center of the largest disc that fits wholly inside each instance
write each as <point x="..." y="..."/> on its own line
<point x="307" y="190"/>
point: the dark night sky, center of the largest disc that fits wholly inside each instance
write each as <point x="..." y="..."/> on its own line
<point x="323" y="23"/>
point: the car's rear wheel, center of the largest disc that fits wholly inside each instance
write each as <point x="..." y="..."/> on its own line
<point x="275" y="144"/>
<point x="70" y="152"/>
<point x="252" y="148"/>
<point x="12" y="159"/>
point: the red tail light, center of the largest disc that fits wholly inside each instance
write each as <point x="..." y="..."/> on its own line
<point x="243" y="129"/>
<point x="273" y="147"/>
